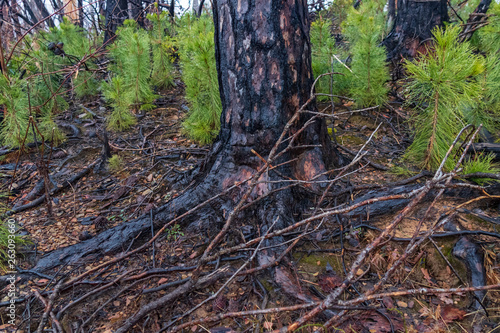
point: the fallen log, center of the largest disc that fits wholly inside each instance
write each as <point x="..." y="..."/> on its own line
<point x="486" y="147"/>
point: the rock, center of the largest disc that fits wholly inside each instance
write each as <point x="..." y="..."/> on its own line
<point x="84" y="235"/>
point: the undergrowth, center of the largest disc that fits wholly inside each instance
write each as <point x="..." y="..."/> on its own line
<point x="364" y="28"/>
<point x="481" y="163"/>
<point x="195" y="40"/>
<point x="443" y="83"/>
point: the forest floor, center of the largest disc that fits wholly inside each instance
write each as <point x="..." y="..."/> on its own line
<point x="156" y="164"/>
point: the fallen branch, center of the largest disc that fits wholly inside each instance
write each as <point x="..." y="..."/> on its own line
<point x="54" y="191"/>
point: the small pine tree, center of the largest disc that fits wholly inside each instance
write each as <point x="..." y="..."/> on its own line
<point x="132" y="62"/>
<point x="364" y="28"/>
<point x="77" y="44"/>
<point x="195" y="40"/>
<point x="442" y="82"/>
<point x="129" y="88"/>
<point x="323" y="52"/>
<point x="16" y="114"/>
<point x="121" y="118"/>
<point x="162" y="46"/>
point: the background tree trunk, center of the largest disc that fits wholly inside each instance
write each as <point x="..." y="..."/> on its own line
<point x="43" y="10"/>
<point x="476" y="20"/>
<point x="196" y="4"/>
<point x="116" y="13"/>
<point x="391" y="12"/>
<point x="413" y="27"/>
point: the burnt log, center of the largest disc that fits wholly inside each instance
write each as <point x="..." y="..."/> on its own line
<point x="485" y="147"/>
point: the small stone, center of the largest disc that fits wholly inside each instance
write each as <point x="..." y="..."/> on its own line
<point x="402" y="304"/>
<point x="84" y="235"/>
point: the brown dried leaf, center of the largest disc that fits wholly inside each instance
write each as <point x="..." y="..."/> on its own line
<point x="451" y="313"/>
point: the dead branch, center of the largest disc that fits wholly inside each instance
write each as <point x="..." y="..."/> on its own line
<point x="48" y="307"/>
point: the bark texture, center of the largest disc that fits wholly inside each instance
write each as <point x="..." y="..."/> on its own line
<point x="413" y="27"/>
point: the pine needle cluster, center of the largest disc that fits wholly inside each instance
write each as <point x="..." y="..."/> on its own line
<point x="130" y="85"/>
<point x="77" y="44"/>
<point x="443" y="84"/>
<point x="364" y="28"/>
<point x="324" y="56"/>
<point x="162" y="46"/>
<point x="490" y="35"/>
<point x="16" y="114"/>
<point x="482" y="163"/>
<point x="195" y="41"/>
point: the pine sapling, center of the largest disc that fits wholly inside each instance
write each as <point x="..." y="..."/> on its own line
<point x="364" y="29"/>
<point x="443" y="81"/>
<point x="162" y="46"/>
<point x="195" y="41"/>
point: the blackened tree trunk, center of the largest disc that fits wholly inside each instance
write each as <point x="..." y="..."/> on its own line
<point x="264" y="67"/>
<point x="413" y="27"/>
<point x="171" y="9"/>
<point x="81" y="14"/>
<point x="116" y="13"/>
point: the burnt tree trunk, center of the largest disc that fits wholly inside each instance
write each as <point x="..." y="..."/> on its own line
<point x="264" y="65"/>
<point x="413" y="26"/>
<point x="116" y="13"/>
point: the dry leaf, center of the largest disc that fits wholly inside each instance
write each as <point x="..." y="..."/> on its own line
<point x="162" y="281"/>
<point x="451" y="313"/>
<point x="402" y="304"/>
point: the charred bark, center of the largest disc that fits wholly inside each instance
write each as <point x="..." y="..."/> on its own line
<point x="116" y="13"/>
<point x="413" y="27"/>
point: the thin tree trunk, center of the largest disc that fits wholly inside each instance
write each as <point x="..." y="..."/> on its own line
<point x="196" y="4"/>
<point x="44" y="12"/>
<point x="81" y="14"/>
<point x="116" y="13"/>
<point x="391" y="12"/>
<point x="171" y="9"/>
